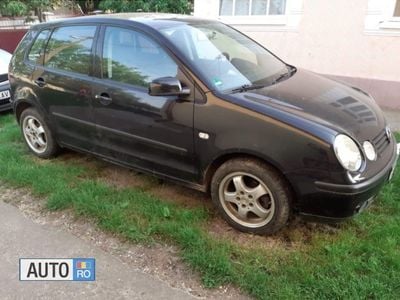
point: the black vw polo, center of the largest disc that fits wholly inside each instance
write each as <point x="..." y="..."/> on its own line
<point x="197" y="102"/>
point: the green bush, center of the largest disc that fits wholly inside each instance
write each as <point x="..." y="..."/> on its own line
<point x="14" y="8"/>
<point x="166" y="6"/>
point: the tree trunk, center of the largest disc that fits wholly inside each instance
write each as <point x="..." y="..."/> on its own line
<point x="39" y="14"/>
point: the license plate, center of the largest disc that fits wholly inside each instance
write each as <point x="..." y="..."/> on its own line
<point x="4" y="94"/>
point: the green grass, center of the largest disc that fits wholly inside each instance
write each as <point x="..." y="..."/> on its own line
<point x="361" y="260"/>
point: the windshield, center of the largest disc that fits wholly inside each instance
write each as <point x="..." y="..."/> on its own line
<point x="226" y="58"/>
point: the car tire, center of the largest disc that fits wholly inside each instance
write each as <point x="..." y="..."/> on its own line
<point x="37" y="134"/>
<point x="251" y="196"/>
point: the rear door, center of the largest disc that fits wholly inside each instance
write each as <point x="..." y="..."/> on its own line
<point x="63" y="84"/>
<point x="154" y="133"/>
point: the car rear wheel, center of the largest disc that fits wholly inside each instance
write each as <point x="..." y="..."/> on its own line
<point x="251" y="196"/>
<point x="37" y="134"/>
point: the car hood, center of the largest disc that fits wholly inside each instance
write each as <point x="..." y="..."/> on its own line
<point x="322" y="101"/>
<point x="5" y="58"/>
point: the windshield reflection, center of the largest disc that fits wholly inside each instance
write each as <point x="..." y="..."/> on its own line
<point x="226" y="58"/>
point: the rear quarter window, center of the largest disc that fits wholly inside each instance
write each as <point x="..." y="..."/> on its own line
<point x="36" y="52"/>
<point x="70" y="48"/>
<point x="20" y="51"/>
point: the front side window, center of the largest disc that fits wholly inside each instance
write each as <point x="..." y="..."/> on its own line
<point x="226" y="58"/>
<point x="132" y="57"/>
<point x="37" y="50"/>
<point x="70" y="48"/>
<point x="252" y="7"/>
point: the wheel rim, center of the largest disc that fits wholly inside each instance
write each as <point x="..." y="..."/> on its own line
<point x="246" y="199"/>
<point x="34" y="134"/>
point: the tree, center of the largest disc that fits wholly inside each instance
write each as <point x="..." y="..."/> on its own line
<point x="168" y="6"/>
<point x="88" y="6"/>
<point x="40" y="6"/>
<point x="15" y="8"/>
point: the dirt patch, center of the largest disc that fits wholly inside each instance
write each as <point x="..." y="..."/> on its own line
<point x="159" y="260"/>
<point x="294" y="236"/>
<point x="121" y="178"/>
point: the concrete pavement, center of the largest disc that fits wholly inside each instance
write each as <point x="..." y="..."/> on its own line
<point x="21" y="238"/>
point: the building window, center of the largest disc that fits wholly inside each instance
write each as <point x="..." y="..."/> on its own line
<point x="397" y="9"/>
<point x="383" y="18"/>
<point x="252" y="7"/>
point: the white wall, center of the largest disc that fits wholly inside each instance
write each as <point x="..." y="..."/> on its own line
<point x="355" y="38"/>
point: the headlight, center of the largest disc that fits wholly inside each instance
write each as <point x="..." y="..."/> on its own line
<point x="369" y="150"/>
<point x="347" y="152"/>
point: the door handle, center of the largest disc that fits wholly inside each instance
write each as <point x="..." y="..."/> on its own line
<point x="104" y="98"/>
<point x="40" y="82"/>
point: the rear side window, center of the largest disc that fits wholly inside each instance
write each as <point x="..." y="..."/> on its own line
<point x="132" y="57"/>
<point x="37" y="49"/>
<point x="70" y="48"/>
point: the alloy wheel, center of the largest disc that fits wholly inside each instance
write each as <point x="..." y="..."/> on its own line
<point x="34" y="134"/>
<point x="246" y="199"/>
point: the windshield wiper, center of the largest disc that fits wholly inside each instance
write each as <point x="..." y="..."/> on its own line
<point x="247" y="87"/>
<point x="285" y="75"/>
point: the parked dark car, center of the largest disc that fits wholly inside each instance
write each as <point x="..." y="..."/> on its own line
<point x="197" y="102"/>
<point x="5" y="58"/>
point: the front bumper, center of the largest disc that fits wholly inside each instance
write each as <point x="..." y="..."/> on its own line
<point x="5" y="104"/>
<point x="335" y="202"/>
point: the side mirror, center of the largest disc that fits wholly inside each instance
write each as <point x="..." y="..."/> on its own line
<point x="167" y="86"/>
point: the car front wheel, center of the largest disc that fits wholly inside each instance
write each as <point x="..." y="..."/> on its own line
<point x="251" y="196"/>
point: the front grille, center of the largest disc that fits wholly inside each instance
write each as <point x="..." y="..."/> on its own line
<point x="4" y="101"/>
<point x="381" y="141"/>
<point x="3" y="77"/>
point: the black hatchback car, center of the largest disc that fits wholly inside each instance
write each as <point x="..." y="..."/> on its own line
<point x="197" y="102"/>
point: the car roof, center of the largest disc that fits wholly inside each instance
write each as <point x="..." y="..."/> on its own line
<point x="154" y="20"/>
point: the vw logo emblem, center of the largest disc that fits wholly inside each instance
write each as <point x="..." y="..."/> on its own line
<point x="388" y="132"/>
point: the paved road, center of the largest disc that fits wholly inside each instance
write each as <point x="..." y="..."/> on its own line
<point x="20" y="237"/>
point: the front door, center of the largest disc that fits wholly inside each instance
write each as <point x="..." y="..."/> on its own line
<point x="152" y="133"/>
